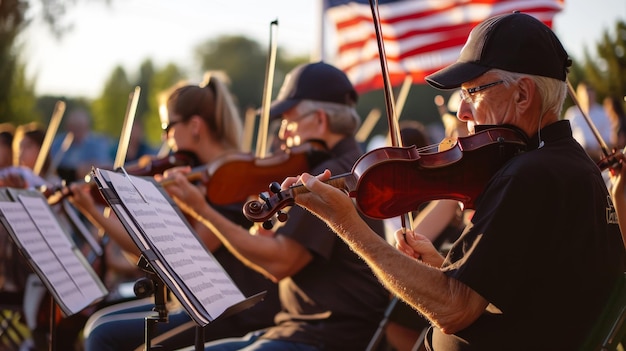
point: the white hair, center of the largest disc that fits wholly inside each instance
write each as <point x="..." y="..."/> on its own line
<point x="552" y="91"/>
<point x="342" y="119"/>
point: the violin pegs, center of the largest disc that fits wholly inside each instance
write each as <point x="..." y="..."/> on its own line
<point x="268" y="224"/>
<point x="275" y="187"/>
<point x="264" y="196"/>
<point x="281" y="216"/>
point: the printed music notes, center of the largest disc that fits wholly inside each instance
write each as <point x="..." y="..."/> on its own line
<point x="175" y="253"/>
<point x="49" y="250"/>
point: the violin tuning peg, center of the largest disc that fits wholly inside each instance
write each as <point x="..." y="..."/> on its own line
<point x="268" y="225"/>
<point x="264" y="196"/>
<point x="281" y="216"/>
<point x="275" y="187"/>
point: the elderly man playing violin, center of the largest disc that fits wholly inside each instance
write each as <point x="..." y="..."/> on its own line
<point x="543" y="252"/>
<point x="330" y="299"/>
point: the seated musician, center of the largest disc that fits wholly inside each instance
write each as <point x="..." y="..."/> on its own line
<point x="330" y="299"/>
<point x="543" y="252"/>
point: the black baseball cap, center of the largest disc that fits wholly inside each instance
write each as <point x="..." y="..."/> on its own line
<point x="313" y="81"/>
<point x="514" y="42"/>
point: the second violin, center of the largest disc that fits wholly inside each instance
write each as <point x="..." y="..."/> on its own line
<point x="234" y="177"/>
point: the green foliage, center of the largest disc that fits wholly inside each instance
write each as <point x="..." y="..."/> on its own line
<point x="162" y="80"/>
<point x="11" y="72"/>
<point x="22" y="99"/>
<point x="245" y="62"/>
<point x="109" y="109"/>
<point x="607" y="71"/>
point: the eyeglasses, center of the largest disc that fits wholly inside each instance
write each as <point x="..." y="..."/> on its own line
<point x="167" y="127"/>
<point x="292" y="121"/>
<point x="466" y="94"/>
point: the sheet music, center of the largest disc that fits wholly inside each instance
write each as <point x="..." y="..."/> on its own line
<point x="51" y="250"/>
<point x="169" y="235"/>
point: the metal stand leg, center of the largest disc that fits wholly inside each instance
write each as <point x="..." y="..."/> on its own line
<point x="146" y="287"/>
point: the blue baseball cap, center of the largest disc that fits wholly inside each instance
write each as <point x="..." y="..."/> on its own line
<point x="313" y="81"/>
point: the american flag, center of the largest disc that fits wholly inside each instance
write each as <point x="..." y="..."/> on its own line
<point x="420" y="36"/>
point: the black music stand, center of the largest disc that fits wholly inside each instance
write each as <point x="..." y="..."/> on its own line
<point x="171" y="252"/>
<point x="50" y="252"/>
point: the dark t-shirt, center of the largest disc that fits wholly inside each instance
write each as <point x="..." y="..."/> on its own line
<point x="250" y="282"/>
<point x="335" y="302"/>
<point x="543" y="246"/>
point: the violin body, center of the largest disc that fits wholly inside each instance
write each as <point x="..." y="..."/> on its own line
<point x="235" y="177"/>
<point x="390" y="181"/>
<point x="393" y="181"/>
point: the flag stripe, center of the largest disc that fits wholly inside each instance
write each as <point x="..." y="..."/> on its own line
<point x="420" y="36"/>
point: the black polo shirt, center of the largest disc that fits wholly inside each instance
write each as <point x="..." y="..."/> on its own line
<point x="543" y="246"/>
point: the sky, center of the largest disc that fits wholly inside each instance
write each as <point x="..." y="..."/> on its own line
<point x="127" y="32"/>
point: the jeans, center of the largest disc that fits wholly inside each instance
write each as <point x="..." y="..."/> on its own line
<point x="251" y="342"/>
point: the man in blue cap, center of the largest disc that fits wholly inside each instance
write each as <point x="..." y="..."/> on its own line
<point x="330" y="299"/>
<point x="543" y="252"/>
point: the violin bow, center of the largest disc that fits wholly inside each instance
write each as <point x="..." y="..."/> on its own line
<point x="368" y="125"/>
<point x="248" y="129"/>
<point x="394" y="129"/>
<point x="608" y="161"/>
<point x="374" y="115"/>
<point x="65" y="145"/>
<point x="261" y="147"/>
<point x="122" y="146"/>
<point x="129" y="119"/>
<point x="53" y="126"/>
<point x="594" y="130"/>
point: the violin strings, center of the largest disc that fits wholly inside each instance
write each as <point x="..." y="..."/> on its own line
<point x="429" y="148"/>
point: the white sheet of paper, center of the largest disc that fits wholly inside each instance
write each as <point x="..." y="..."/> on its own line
<point x="169" y="235"/>
<point x="51" y="250"/>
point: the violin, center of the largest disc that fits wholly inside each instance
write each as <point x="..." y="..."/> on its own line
<point x="147" y="168"/>
<point x="611" y="161"/>
<point x="151" y="166"/>
<point x="390" y="181"/>
<point x="233" y="178"/>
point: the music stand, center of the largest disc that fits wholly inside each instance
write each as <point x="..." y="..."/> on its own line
<point x="171" y="249"/>
<point x="50" y="252"/>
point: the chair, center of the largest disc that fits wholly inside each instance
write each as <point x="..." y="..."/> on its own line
<point x="379" y="341"/>
<point x="610" y="330"/>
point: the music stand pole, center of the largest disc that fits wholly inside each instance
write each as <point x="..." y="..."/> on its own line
<point x="199" y="338"/>
<point x="53" y="317"/>
<point x="145" y="287"/>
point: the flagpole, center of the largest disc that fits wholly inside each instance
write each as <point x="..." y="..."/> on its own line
<point x="321" y="40"/>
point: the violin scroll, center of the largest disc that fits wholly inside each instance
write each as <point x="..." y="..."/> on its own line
<point x="258" y="211"/>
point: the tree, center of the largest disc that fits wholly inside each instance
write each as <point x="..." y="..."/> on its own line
<point x="607" y="72"/>
<point x="162" y="80"/>
<point x="12" y="19"/>
<point x="22" y="99"/>
<point x="244" y="61"/>
<point x="17" y="95"/>
<point x="109" y="109"/>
